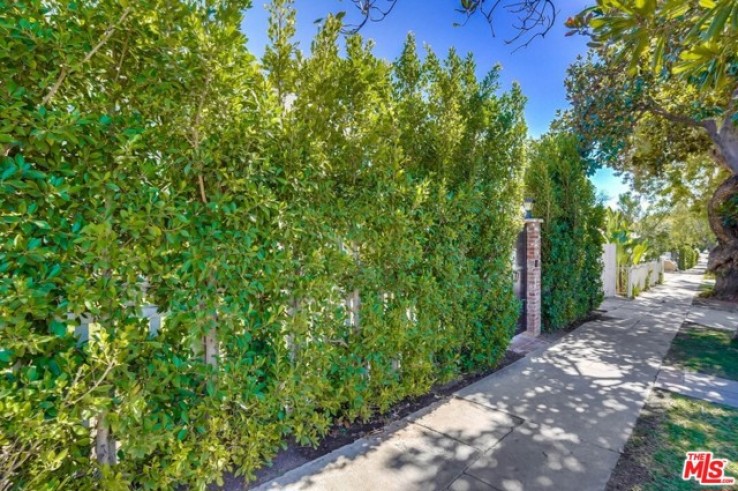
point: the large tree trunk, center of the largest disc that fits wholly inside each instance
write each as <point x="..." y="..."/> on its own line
<point x="723" y="259"/>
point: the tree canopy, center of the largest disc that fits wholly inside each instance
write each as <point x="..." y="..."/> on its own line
<point x="657" y="94"/>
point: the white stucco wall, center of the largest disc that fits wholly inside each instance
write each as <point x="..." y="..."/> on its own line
<point x="637" y="276"/>
<point x="609" y="270"/>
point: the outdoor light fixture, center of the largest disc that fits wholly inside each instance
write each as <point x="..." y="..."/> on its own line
<point x="528" y="207"/>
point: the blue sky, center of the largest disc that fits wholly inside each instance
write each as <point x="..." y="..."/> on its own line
<point x="540" y="68"/>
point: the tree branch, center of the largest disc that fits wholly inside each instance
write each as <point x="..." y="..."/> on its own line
<point x="65" y="71"/>
<point x="653" y="107"/>
<point x="534" y="18"/>
<point x="201" y="185"/>
<point x="123" y="53"/>
<point x="730" y="111"/>
<point x="195" y="138"/>
<point x="711" y="126"/>
<point x="370" y="12"/>
<point x="95" y="385"/>
<point x="724" y="139"/>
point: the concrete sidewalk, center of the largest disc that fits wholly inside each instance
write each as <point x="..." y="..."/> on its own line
<point x="699" y="386"/>
<point x="555" y="420"/>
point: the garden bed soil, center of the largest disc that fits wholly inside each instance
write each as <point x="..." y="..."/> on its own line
<point x="596" y="315"/>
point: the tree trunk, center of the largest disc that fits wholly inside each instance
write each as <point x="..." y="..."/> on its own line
<point x="723" y="261"/>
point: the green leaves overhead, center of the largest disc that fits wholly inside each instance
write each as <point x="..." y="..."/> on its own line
<point x="695" y="41"/>
<point x="148" y="158"/>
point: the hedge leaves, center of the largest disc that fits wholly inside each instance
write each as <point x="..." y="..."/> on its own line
<point x="324" y="234"/>
<point x="571" y="238"/>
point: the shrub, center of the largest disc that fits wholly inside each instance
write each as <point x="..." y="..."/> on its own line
<point x="326" y="236"/>
<point x="687" y="257"/>
<point x="636" y="291"/>
<point x="571" y="240"/>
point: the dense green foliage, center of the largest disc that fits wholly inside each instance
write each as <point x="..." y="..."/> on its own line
<point x="571" y="238"/>
<point x="694" y="42"/>
<point x="687" y="257"/>
<point x="147" y="157"/>
<point x="658" y="89"/>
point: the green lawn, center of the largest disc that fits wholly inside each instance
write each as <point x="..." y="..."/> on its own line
<point x="670" y="426"/>
<point x="708" y="351"/>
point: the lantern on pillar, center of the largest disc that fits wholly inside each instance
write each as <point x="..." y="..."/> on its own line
<point x="528" y="207"/>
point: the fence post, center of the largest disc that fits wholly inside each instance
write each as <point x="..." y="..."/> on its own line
<point x="105" y="446"/>
<point x="353" y="305"/>
<point x="210" y="345"/>
<point x="353" y="300"/>
<point x="154" y="317"/>
<point x="106" y="452"/>
<point x="293" y="306"/>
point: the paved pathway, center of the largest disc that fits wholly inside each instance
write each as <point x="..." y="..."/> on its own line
<point x="713" y="318"/>
<point x="555" y="420"/>
<point x="698" y="385"/>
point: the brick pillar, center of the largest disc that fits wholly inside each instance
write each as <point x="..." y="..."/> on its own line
<point x="533" y="276"/>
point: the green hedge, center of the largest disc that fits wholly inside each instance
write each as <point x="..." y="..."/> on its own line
<point x="687" y="257"/>
<point x="149" y="158"/>
<point x="571" y="241"/>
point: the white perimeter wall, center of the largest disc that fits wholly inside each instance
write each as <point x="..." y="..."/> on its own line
<point x="609" y="270"/>
<point x="637" y="275"/>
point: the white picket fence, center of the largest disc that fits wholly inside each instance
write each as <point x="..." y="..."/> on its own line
<point x="82" y="331"/>
<point x="105" y="448"/>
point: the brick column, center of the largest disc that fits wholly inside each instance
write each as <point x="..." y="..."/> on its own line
<point x="533" y="276"/>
